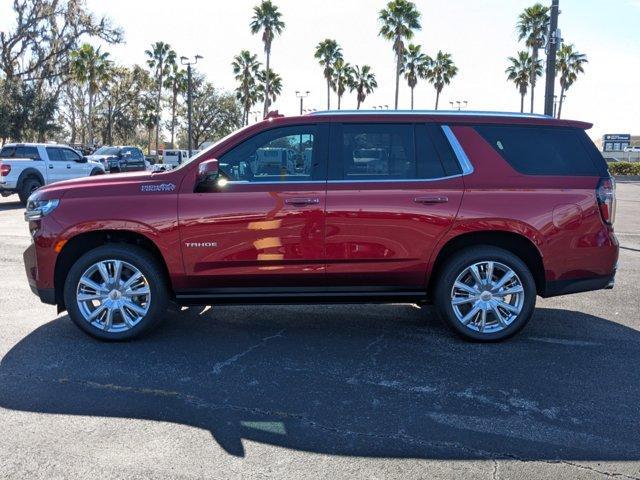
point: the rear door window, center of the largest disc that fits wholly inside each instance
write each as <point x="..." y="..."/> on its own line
<point x="27" y="152"/>
<point x="533" y="150"/>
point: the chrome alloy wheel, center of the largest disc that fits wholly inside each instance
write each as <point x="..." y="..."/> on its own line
<point x="487" y="297"/>
<point x="113" y="295"/>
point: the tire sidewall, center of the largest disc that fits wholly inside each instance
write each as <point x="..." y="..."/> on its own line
<point x="27" y="189"/>
<point x="140" y="259"/>
<point x="467" y="257"/>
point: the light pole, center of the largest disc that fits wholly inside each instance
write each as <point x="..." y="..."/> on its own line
<point x="555" y="104"/>
<point x="460" y="103"/>
<point x="302" y="96"/>
<point x="188" y="62"/>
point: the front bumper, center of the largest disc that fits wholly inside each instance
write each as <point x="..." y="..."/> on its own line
<point x="47" y="294"/>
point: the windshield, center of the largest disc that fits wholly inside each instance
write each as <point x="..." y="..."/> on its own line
<point x="107" y="151"/>
<point x="197" y="155"/>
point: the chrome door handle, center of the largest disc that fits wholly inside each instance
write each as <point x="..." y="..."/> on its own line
<point x="50" y="166"/>
<point x="430" y="200"/>
<point x="68" y="166"/>
<point x="300" y="202"/>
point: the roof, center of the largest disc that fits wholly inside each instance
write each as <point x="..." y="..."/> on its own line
<point x="458" y="113"/>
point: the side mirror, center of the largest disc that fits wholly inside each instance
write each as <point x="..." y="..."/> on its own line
<point x="208" y="171"/>
<point x="82" y="160"/>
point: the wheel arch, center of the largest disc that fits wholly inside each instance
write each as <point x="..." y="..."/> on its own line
<point x="29" y="173"/>
<point x="515" y="243"/>
<point x="83" y="242"/>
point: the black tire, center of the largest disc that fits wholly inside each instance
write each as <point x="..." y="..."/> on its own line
<point x="96" y="171"/>
<point x="114" y="170"/>
<point x="29" y="185"/>
<point x="456" y="265"/>
<point x="138" y="258"/>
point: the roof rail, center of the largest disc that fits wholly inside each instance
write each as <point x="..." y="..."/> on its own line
<point x="465" y="113"/>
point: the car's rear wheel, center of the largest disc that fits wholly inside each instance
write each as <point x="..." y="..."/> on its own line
<point x="116" y="292"/>
<point x="29" y="186"/>
<point x="485" y="293"/>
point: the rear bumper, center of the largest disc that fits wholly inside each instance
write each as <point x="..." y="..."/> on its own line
<point x="47" y="295"/>
<point x="566" y="287"/>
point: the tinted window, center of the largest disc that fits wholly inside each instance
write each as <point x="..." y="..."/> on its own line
<point x="542" y="150"/>
<point x="378" y="151"/>
<point x="281" y="155"/>
<point x="107" y="151"/>
<point x="55" y="155"/>
<point x="445" y="152"/>
<point x="7" y="152"/>
<point x="27" y="152"/>
<point x="69" y="155"/>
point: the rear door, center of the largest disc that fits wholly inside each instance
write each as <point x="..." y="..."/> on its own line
<point x="263" y="227"/>
<point x="394" y="189"/>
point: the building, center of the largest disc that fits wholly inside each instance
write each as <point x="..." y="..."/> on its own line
<point x="613" y="145"/>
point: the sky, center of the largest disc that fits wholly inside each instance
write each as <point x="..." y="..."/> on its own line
<point x="480" y="35"/>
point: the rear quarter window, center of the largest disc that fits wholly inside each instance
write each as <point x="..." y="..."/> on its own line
<point x="533" y="150"/>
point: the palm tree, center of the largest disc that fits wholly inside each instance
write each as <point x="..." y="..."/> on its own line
<point x="149" y="119"/>
<point x="415" y="66"/>
<point x="440" y="72"/>
<point x="267" y="18"/>
<point x="532" y="27"/>
<point x="519" y="73"/>
<point x="363" y="82"/>
<point x="161" y="60"/>
<point x="570" y="64"/>
<point x="92" y="67"/>
<point x="245" y="68"/>
<point x="342" y="78"/>
<point x="177" y="83"/>
<point x="398" y="21"/>
<point x="275" y="87"/>
<point x="328" y="52"/>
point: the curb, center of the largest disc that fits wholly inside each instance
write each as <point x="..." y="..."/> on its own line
<point x="627" y="178"/>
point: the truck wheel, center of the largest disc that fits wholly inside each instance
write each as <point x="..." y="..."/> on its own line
<point x="29" y="186"/>
<point x="485" y="294"/>
<point x="116" y="292"/>
<point x="96" y="171"/>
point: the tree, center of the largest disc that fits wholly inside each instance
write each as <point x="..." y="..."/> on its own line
<point x="275" y="82"/>
<point x="177" y="84"/>
<point x="342" y="78"/>
<point x="363" y="82"/>
<point x="161" y="60"/>
<point x="267" y="17"/>
<point x="519" y="72"/>
<point x="398" y="22"/>
<point x="415" y="66"/>
<point x="533" y="27"/>
<point x="245" y="68"/>
<point x="570" y="64"/>
<point x="92" y="68"/>
<point x="440" y="72"/>
<point x="215" y="114"/>
<point x="328" y="52"/>
<point x="149" y="119"/>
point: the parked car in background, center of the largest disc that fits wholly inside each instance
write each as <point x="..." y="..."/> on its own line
<point x="119" y="159"/>
<point x="25" y="167"/>
<point x="173" y="158"/>
<point x="477" y="213"/>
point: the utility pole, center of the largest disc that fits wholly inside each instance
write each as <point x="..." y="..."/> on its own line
<point x="302" y="96"/>
<point x="188" y="63"/>
<point x="553" y="42"/>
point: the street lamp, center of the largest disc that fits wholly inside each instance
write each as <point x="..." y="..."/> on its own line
<point x="188" y="62"/>
<point x="302" y="96"/>
<point x="460" y="103"/>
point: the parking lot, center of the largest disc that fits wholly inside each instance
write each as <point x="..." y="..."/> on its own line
<point x="323" y="391"/>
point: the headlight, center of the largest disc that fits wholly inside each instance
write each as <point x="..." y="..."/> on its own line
<point x="36" y="209"/>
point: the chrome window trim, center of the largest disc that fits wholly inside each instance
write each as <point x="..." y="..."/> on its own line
<point x="377" y="180"/>
<point x="463" y="160"/>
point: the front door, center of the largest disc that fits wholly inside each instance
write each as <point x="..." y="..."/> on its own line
<point x="393" y="191"/>
<point x="262" y="225"/>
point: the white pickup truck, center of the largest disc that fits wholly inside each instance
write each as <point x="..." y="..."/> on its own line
<point x="25" y="167"/>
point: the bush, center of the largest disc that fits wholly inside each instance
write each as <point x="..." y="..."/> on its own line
<point x="624" y="168"/>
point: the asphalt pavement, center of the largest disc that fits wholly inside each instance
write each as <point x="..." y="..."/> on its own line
<point x="364" y="391"/>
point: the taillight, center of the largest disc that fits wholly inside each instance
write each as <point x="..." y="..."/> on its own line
<point x="606" y="194"/>
<point x="4" y="169"/>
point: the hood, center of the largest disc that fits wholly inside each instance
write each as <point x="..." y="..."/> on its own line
<point x="98" y="158"/>
<point x="102" y="186"/>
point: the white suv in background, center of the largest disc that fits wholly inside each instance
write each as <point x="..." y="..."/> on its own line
<point x="25" y="167"/>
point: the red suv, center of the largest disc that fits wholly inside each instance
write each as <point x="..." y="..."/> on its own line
<point x="477" y="213"/>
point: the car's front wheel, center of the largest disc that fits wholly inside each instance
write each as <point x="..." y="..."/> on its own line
<point x="116" y="292"/>
<point x="485" y="293"/>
